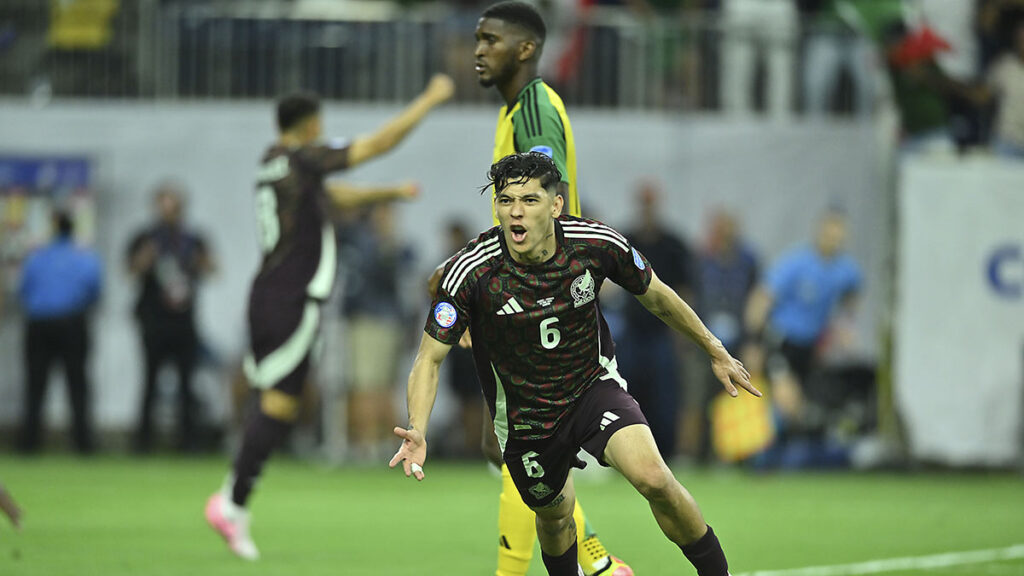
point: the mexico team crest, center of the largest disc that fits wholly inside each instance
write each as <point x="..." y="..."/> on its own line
<point x="583" y="289"/>
<point x="445" y="315"/>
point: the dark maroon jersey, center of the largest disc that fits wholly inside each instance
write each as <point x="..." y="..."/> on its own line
<point x="296" y="236"/>
<point x="539" y="339"/>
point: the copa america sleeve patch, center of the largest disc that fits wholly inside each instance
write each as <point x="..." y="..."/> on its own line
<point x="445" y="315"/>
<point x="638" y="260"/>
<point x="545" y="150"/>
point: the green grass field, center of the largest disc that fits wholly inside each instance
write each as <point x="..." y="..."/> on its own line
<point x="119" y="516"/>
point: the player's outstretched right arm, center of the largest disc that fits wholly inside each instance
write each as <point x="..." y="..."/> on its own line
<point x="420" y="396"/>
<point x="363" y="148"/>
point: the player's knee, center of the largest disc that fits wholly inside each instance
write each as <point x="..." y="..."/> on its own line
<point x="554" y="525"/>
<point x="279" y="406"/>
<point x="654" y="482"/>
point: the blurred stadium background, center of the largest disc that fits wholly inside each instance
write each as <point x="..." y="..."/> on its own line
<point x="102" y="100"/>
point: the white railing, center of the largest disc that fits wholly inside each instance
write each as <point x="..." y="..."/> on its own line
<point x="375" y="51"/>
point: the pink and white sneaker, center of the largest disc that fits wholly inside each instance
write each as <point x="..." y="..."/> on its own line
<point x="232" y="522"/>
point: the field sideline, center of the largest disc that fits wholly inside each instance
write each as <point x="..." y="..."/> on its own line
<point x="118" y="516"/>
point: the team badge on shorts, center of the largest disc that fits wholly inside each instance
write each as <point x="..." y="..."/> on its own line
<point x="638" y="260"/>
<point x="445" y="315"/>
<point x="540" y="490"/>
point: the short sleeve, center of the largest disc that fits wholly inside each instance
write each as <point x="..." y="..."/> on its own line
<point x="326" y="158"/>
<point x="449" y="312"/>
<point x="542" y="131"/>
<point x="626" y="266"/>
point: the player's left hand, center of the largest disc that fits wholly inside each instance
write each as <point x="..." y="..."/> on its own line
<point x="412" y="453"/>
<point x="731" y="373"/>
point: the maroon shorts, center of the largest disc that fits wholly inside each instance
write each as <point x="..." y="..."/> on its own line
<point x="540" y="468"/>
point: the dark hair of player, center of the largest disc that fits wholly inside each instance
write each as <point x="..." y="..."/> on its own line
<point x="519" y="14"/>
<point x="294" y="108"/>
<point x="520" y="168"/>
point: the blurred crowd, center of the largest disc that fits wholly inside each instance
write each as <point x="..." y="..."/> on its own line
<point x="954" y="69"/>
<point x="790" y="320"/>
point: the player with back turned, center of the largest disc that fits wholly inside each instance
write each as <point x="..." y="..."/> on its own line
<point x="297" y="275"/>
<point x="527" y="289"/>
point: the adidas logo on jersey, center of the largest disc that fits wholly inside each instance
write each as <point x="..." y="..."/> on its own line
<point x="607" y="419"/>
<point x="510" y="307"/>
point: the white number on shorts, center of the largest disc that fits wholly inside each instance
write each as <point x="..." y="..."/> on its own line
<point x="549" y="337"/>
<point x="266" y="217"/>
<point x="533" y="469"/>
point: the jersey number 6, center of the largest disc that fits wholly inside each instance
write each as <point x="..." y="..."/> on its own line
<point x="549" y="336"/>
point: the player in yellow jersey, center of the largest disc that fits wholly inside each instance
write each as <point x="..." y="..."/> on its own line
<point x="509" y="39"/>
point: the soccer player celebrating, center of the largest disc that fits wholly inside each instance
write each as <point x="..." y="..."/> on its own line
<point x="509" y="41"/>
<point x="527" y="290"/>
<point x="297" y="275"/>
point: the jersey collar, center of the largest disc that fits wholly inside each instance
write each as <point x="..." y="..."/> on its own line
<point x="537" y="80"/>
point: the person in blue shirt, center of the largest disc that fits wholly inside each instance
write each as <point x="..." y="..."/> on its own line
<point x="791" y="312"/>
<point x="59" y="284"/>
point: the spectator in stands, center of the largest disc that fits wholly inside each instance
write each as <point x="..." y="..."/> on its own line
<point x="649" y="354"/>
<point x="169" y="260"/>
<point x="1006" y="79"/>
<point x="922" y="90"/>
<point x="377" y="261"/>
<point x="844" y="34"/>
<point x="790" y="313"/>
<point x="727" y="273"/>
<point x="60" y="283"/>
<point x="751" y="27"/>
<point x="996" y="24"/>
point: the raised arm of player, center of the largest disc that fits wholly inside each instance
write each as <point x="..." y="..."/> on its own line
<point x="664" y="303"/>
<point x="363" y="148"/>
<point x="420" y="396"/>
<point x="345" y="195"/>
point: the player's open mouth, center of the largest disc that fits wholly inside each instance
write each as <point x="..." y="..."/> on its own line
<point x="518" y="233"/>
<point x="479" y="68"/>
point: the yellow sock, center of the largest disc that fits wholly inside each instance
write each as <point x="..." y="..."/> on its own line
<point x="581" y="525"/>
<point x="517" y="530"/>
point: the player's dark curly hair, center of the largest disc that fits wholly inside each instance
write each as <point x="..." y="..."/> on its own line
<point x="295" y="108"/>
<point x="519" y="168"/>
<point x="520" y="14"/>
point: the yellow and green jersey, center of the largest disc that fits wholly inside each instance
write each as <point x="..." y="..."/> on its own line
<point x="538" y="122"/>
